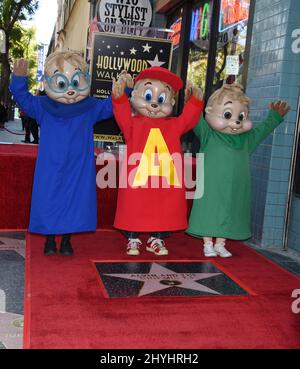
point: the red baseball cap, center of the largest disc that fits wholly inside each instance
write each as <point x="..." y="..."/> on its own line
<point x="161" y="74"/>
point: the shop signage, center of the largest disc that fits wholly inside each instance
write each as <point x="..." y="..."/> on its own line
<point x="111" y="54"/>
<point x="233" y="12"/>
<point x="175" y="36"/>
<point x="200" y="22"/>
<point x="232" y="65"/>
<point x="137" y="13"/>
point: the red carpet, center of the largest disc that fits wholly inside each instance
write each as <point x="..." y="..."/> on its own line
<point x="16" y="167"/>
<point x="64" y="306"/>
<point x="17" y="163"/>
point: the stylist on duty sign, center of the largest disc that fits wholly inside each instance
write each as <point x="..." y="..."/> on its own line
<point x="125" y="12"/>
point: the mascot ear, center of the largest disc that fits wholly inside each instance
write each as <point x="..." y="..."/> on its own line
<point x="208" y="109"/>
<point x="133" y="94"/>
<point x="173" y="102"/>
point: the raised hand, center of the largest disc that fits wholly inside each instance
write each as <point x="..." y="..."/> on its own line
<point x="282" y="107"/>
<point x="21" y="67"/>
<point x="191" y="90"/>
<point x="118" y="87"/>
<point x="126" y="77"/>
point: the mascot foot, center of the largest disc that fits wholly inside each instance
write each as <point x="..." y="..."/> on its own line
<point x="66" y="247"/>
<point x="50" y="246"/>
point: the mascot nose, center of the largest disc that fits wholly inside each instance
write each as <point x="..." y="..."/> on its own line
<point x="238" y="122"/>
<point x="154" y="106"/>
<point x="70" y="93"/>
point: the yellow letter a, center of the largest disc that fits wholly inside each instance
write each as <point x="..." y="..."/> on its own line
<point x="156" y="147"/>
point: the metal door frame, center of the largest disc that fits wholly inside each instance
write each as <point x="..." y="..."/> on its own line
<point x="292" y="178"/>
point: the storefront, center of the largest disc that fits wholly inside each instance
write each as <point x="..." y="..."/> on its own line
<point x="211" y="40"/>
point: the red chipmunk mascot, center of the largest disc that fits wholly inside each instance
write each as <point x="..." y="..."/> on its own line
<point x="153" y="199"/>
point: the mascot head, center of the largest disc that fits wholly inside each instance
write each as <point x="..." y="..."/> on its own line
<point x="154" y="92"/>
<point x="227" y="110"/>
<point x="66" y="77"/>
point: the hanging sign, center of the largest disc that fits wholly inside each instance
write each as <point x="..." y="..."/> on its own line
<point x="127" y="13"/>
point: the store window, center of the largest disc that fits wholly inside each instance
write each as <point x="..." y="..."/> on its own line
<point x="231" y="45"/>
<point x="199" y="43"/>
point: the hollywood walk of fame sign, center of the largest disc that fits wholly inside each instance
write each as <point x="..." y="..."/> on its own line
<point x="112" y="53"/>
<point x="121" y="279"/>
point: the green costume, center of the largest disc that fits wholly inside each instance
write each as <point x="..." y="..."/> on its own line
<point x="224" y="209"/>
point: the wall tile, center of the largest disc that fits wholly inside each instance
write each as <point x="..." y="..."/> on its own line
<point x="274" y="73"/>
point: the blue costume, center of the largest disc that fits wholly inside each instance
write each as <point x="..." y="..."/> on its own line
<point x="64" y="188"/>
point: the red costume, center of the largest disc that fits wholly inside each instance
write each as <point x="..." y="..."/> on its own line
<point x="146" y="209"/>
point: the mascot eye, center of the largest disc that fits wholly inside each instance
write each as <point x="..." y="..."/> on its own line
<point x="227" y="114"/>
<point x="162" y="98"/>
<point x="242" y="116"/>
<point x="148" y="95"/>
<point x="61" y="83"/>
<point x="75" y="81"/>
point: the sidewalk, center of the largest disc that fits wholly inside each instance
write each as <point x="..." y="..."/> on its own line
<point x="16" y="135"/>
<point x="12" y="265"/>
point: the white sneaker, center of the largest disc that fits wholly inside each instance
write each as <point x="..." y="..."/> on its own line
<point x="221" y="250"/>
<point x="209" y="250"/>
<point x="133" y="246"/>
<point x="157" y="246"/>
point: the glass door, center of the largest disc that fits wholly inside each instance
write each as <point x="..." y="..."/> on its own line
<point x="231" y="44"/>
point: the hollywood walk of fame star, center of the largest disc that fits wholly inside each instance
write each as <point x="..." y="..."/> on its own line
<point x="133" y="51"/>
<point x="17" y="245"/>
<point x="156" y="62"/>
<point x="11" y="331"/>
<point x="160" y="278"/>
<point x="146" y="48"/>
<point x="11" y="323"/>
<point x="2" y="301"/>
